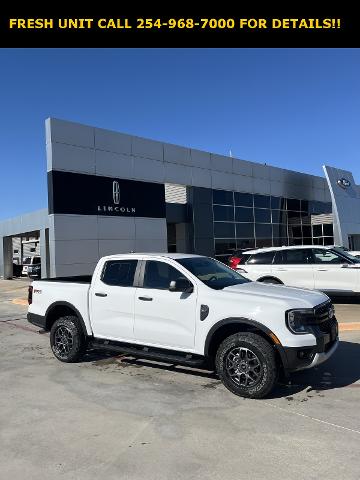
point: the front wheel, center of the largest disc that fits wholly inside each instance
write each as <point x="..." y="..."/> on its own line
<point x="67" y="339"/>
<point x="246" y="364"/>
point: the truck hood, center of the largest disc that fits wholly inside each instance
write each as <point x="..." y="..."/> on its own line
<point x="310" y="298"/>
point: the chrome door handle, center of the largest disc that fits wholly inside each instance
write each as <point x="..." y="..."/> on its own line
<point x="322" y="270"/>
<point x="145" y="299"/>
<point x="100" y="294"/>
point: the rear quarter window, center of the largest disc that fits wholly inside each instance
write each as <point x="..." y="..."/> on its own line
<point x="262" y="258"/>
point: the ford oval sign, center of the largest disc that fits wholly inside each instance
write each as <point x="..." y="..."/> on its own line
<point x="343" y="183"/>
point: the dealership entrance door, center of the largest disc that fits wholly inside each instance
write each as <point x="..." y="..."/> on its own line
<point x="178" y="237"/>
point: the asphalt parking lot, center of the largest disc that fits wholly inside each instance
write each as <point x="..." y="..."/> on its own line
<point x="120" y="418"/>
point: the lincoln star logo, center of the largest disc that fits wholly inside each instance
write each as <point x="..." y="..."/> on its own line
<point x="343" y="183"/>
<point x="116" y="208"/>
<point x="116" y="192"/>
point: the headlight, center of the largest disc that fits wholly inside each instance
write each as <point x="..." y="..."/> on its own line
<point x="298" y="320"/>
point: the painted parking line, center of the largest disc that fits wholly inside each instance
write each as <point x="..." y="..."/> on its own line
<point x="349" y="326"/>
<point x="19" y="301"/>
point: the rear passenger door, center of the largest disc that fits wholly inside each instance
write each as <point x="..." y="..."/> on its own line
<point x="112" y="299"/>
<point x="293" y="267"/>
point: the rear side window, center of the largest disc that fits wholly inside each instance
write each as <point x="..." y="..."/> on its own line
<point x="292" y="257"/>
<point x="263" y="258"/>
<point x="119" y="273"/>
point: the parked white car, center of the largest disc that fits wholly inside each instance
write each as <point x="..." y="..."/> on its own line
<point x="327" y="269"/>
<point x="187" y="309"/>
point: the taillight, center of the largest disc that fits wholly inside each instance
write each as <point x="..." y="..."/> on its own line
<point x="234" y="262"/>
<point x="30" y="293"/>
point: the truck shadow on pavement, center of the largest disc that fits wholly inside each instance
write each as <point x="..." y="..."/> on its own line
<point x="341" y="370"/>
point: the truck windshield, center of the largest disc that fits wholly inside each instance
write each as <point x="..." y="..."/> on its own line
<point x="214" y="274"/>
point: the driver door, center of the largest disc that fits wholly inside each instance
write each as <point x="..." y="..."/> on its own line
<point x="164" y="318"/>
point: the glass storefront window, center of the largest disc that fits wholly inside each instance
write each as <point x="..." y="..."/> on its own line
<point x="223" y="214"/>
<point x="263" y="242"/>
<point x="262" y="201"/>
<point x="223" y="197"/>
<point x="317" y="230"/>
<point x="262" y="215"/>
<point x="245" y="243"/>
<point x="293" y="204"/>
<point x="263" y="230"/>
<point x="328" y="230"/>
<point x="223" y="247"/>
<point x="243" y="214"/>
<point x="278" y="203"/>
<point x="224" y="230"/>
<point x="244" y="230"/>
<point x="243" y="199"/>
<point x="264" y="220"/>
<point x="280" y="242"/>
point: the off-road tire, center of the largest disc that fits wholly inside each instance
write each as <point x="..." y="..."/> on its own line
<point x="236" y="359"/>
<point x="67" y="339"/>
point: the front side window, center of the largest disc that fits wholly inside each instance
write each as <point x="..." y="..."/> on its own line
<point x="326" y="257"/>
<point x="158" y="275"/>
<point x="36" y="260"/>
<point x="214" y="274"/>
<point x="119" y="273"/>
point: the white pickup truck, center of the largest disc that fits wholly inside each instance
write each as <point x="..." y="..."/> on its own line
<point x="187" y="309"/>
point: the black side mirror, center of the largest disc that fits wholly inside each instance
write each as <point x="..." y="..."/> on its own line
<point x="181" y="285"/>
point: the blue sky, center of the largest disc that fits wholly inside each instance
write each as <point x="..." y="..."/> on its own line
<point x="293" y="108"/>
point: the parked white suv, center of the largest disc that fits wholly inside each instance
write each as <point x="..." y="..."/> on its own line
<point x="322" y="268"/>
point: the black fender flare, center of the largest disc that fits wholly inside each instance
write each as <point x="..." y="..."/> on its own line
<point x="69" y="305"/>
<point x="253" y="323"/>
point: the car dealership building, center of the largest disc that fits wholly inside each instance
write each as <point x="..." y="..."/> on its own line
<point x="109" y="192"/>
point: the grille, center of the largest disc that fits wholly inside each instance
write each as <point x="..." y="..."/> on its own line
<point x="322" y="312"/>
<point x="325" y="326"/>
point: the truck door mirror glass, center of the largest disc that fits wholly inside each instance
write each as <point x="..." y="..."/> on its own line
<point x="181" y="285"/>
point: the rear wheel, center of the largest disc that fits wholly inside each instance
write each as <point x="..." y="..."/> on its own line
<point x="67" y="339"/>
<point x="246" y="364"/>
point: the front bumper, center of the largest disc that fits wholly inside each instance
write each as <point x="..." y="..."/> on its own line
<point x="300" y="358"/>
